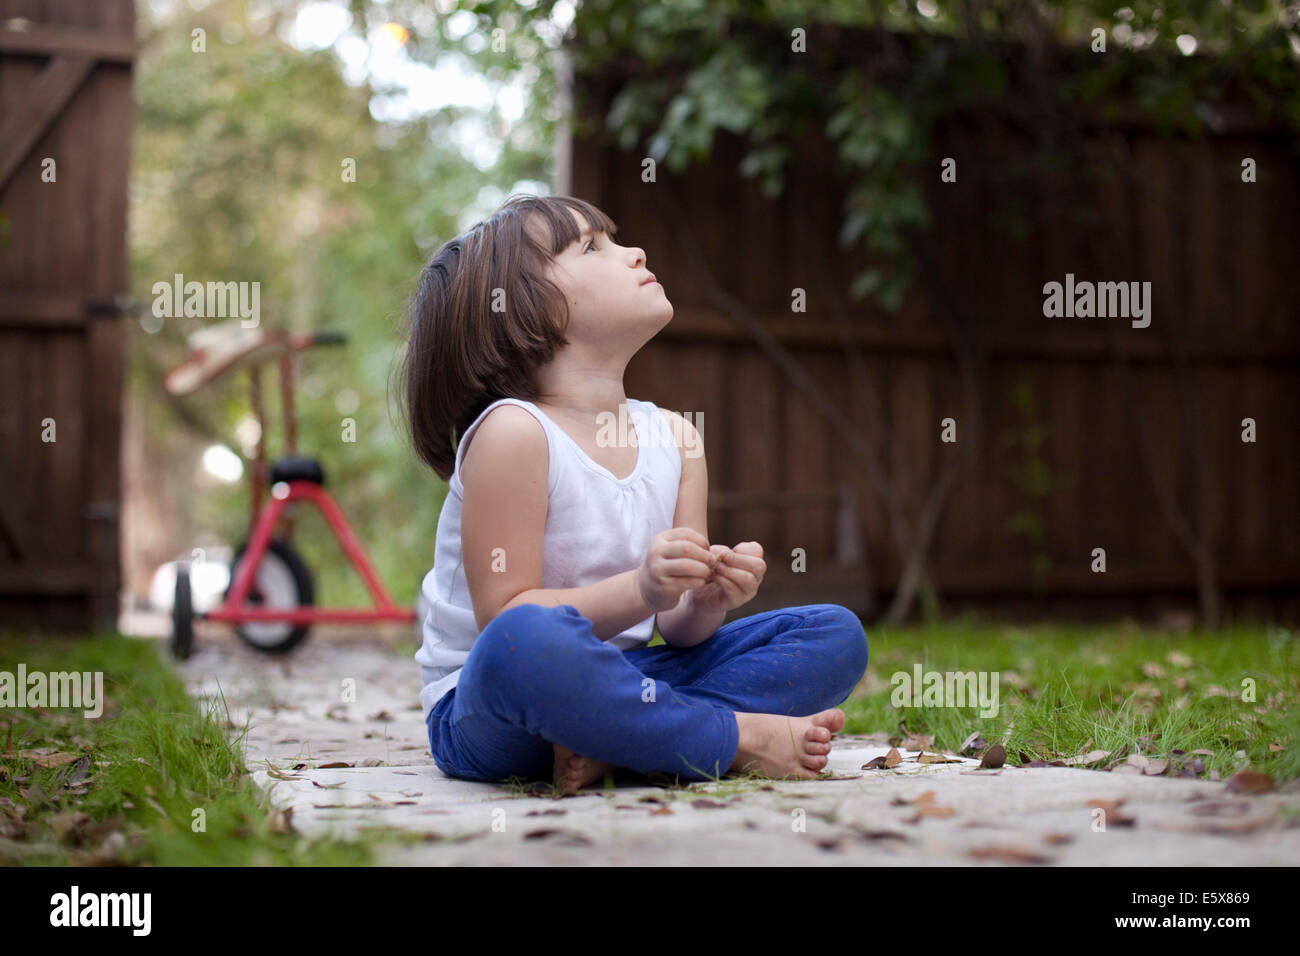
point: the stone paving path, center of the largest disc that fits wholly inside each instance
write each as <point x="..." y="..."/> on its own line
<point x="299" y="727"/>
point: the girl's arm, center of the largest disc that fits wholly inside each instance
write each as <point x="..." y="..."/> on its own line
<point x="685" y="625"/>
<point x="503" y="523"/>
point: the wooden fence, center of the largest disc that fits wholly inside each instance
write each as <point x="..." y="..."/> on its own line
<point x="1098" y="412"/>
<point x="66" y="116"/>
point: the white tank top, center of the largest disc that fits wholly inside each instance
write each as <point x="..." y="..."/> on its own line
<point x="597" y="526"/>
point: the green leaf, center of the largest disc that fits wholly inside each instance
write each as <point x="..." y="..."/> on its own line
<point x="865" y="283"/>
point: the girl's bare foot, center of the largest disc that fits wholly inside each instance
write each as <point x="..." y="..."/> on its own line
<point x="574" y="771"/>
<point x="777" y="746"/>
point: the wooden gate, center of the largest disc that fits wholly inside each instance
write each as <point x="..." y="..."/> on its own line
<point x="66" y="117"/>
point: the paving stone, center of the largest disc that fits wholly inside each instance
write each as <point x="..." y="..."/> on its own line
<point x="298" y="721"/>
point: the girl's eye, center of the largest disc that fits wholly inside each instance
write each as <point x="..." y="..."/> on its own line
<point x="590" y="245"/>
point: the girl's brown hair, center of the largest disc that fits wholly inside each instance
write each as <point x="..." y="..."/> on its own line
<point x="461" y="355"/>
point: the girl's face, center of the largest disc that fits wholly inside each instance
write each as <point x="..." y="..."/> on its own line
<point x="607" y="289"/>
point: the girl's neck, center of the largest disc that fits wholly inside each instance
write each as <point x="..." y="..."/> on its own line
<point x="585" y="414"/>
<point x="584" y="404"/>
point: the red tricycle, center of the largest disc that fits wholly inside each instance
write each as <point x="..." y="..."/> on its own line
<point x="266" y="571"/>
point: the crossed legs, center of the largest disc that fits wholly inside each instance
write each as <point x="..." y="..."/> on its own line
<point x="541" y="694"/>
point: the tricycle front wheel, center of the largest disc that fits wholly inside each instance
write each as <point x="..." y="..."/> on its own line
<point x="182" y="613"/>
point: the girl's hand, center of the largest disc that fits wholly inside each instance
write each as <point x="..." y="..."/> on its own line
<point x="678" y="559"/>
<point x="735" y="578"/>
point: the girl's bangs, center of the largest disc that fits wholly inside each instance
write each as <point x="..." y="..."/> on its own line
<point x="560" y="225"/>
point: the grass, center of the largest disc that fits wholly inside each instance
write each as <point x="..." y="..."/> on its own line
<point x="1068" y="689"/>
<point x="155" y="780"/>
<point x="1065" y="690"/>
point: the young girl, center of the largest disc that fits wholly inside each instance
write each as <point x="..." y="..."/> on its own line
<point x="558" y="549"/>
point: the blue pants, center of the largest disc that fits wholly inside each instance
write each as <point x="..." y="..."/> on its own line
<point x="537" y="675"/>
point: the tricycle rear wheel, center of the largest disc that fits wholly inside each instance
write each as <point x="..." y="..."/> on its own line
<point x="283" y="582"/>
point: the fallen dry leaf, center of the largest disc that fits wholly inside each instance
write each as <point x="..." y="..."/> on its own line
<point x="1117" y="818"/>
<point x="556" y="835"/>
<point x="109" y="852"/>
<point x="1083" y="759"/>
<point x="886" y="761"/>
<point x="61" y="823"/>
<point x="930" y="810"/>
<point x="79" y="773"/>
<point x="44" y="757"/>
<point x="924" y="799"/>
<point x="936" y="758"/>
<point x="918" y="742"/>
<point x="1219" y="827"/>
<point x="1008" y="853"/>
<point x="1107" y="803"/>
<point x="1250" y="781"/>
<point x="882" y="835"/>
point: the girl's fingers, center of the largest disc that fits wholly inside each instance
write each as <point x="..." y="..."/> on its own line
<point x="688" y="535"/>
<point x="737" y="577"/>
<point x="687" y="549"/>
<point x="730" y="565"/>
<point x="729" y="587"/>
<point x="747" y="562"/>
<point x="682" y="568"/>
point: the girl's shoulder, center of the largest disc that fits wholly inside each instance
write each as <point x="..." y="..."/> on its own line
<point x="507" y="425"/>
<point x="673" y="419"/>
